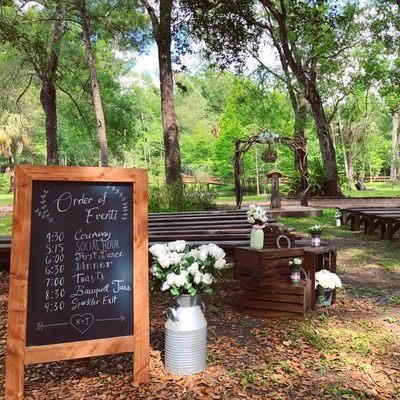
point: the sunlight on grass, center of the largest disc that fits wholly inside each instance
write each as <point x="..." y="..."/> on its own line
<point x="5" y="226"/>
<point x="6" y="199"/>
<point x="376" y="189"/>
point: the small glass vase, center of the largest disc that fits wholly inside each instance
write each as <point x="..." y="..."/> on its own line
<point x="257" y="238"/>
<point x="315" y="241"/>
<point x="295" y="278"/>
<point x="324" y="296"/>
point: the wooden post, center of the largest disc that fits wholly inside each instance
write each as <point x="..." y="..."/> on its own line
<point x="275" y="194"/>
<point x="17" y="302"/>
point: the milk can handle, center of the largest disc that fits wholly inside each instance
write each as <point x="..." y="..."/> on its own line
<point x="171" y="312"/>
<point x="305" y="274"/>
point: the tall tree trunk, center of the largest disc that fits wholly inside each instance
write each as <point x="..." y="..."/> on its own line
<point x="169" y="119"/>
<point x="343" y="144"/>
<point x="395" y="130"/>
<point x="11" y="165"/>
<point x="363" y="162"/>
<point x="351" y="163"/>
<point x="49" y="105"/>
<point x="48" y="95"/>
<point x="300" y="154"/>
<point x="97" y="103"/>
<point x="257" y="171"/>
<point x="331" y="184"/>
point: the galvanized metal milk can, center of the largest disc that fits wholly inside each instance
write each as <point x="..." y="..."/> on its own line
<point x="185" y="336"/>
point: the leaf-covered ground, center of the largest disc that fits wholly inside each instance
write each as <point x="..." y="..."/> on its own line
<point x="351" y="351"/>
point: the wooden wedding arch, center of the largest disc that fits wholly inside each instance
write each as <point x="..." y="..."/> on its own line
<point x="298" y="145"/>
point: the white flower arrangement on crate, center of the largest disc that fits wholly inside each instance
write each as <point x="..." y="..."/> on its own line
<point x="315" y="230"/>
<point x="327" y="280"/>
<point x="268" y="137"/>
<point x="185" y="270"/>
<point x="296" y="262"/>
<point x="256" y="215"/>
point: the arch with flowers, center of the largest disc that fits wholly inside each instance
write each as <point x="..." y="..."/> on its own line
<point x="298" y="145"/>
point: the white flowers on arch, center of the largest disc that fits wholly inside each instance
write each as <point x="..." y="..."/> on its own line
<point x="185" y="270"/>
<point x="269" y="137"/>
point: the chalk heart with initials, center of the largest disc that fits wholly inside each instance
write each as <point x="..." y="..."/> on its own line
<point x="82" y="322"/>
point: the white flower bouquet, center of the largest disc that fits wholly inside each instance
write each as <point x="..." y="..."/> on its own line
<point x="338" y="215"/>
<point x="183" y="270"/>
<point x="296" y="262"/>
<point x="257" y="215"/>
<point x="268" y="137"/>
<point x="327" y="280"/>
<point x="315" y="230"/>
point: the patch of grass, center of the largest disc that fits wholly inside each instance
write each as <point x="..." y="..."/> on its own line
<point x="5" y="226"/>
<point x="375" y="189"/>
<point x="6" y="199"/>
<point x="396" y="299"/>
<point x="339" y="393"/>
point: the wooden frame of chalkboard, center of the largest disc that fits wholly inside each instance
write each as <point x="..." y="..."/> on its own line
<point x="18" y="354"/>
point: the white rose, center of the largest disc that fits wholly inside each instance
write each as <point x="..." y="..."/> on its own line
<point x="158" y="249"/>
<point x="175" y="258"/>
<point x="164" y="260"/>
<point x="197" y="278"/>
<point x="180" y="280"/>
<point x="251" y="220"/>
<point x="193" y="253"/>
<point x="207" y="279"/>
<point x="220" y="263"/>
<point x="193" y="269"/>
<point x="154" y="271"/>
<point x="178" y="245"/>
<point x="165" y="286"/>
<point x="171" y="279"/>
<point x="203" y="254"/>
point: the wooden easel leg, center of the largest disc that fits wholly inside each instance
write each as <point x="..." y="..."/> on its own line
<point x="14" y="385"/>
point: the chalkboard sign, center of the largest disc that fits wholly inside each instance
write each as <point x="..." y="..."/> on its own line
<point x="80" y="272"/>
<point x="78" y="284"/>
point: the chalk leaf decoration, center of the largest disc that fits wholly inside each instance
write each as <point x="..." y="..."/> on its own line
<point x="43" y="211"/>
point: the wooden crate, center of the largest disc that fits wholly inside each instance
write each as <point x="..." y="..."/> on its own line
<point x="264" y="267"/>
<point x="315" y="259"/>
<point x="281" y="300"/>
<point x="271" y="234"/>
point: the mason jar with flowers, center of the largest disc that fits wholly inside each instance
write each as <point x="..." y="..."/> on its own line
<point x="338" y="217"/>
<point x="295" y="266"/>
<point x="315" y="232"/>
<point x="186" y="273"/>
<point x="257" y="216"/>
<point x="325" y="283"/>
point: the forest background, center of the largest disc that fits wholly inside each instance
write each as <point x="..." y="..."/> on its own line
<point x="70" y="93"/>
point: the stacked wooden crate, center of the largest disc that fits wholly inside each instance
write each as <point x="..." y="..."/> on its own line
<point x="278" y="300"/>
<point x="268" y="291"/>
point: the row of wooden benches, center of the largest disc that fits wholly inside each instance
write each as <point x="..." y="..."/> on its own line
<point x="371" y="219"/>
<point x="228" y="229"/>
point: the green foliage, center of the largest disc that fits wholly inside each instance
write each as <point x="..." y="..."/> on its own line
<point x="316" y="178"/>
<point x="163" y="198"/>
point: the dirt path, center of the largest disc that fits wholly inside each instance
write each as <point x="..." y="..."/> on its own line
<point x="350" y="351"/>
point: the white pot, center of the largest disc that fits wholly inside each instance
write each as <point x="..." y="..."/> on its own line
<point x="338" y="222"/>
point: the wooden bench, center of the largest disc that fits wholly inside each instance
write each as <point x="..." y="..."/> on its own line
<point x="385" y="218"/>
<point x="355" y="216"/>
<point x="226" y="228"/>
